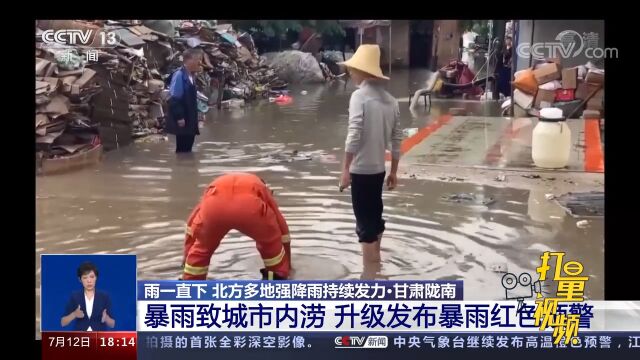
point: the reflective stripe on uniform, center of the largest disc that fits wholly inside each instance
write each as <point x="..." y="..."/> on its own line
<point x="275" y="260"/>
<point x="196" y="270"/>
<point x="189" y="231"/>
<point x="270" y="275"/>
<point x="286" y="239"/>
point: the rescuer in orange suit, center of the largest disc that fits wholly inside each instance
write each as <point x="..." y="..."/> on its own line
<point x="242" y="202"/>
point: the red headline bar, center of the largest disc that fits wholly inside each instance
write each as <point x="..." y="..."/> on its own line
<point x="83" y="345"/>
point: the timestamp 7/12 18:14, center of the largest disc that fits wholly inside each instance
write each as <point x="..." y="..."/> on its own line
<point x="110" y="341"/>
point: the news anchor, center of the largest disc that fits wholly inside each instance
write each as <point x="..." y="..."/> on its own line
<point x="89" y="307"/>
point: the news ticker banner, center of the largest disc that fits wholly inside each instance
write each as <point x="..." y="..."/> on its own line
<point x="245" y="318"/>
<point x="202" y="345"/>
<point x="330" y="306"/>
<point x="224" y="315"/>
<point x="337" y="290"/>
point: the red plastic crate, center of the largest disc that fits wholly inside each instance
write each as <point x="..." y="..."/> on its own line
<point x="565" y="94"/>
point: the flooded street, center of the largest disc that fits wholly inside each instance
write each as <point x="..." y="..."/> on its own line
<point x="138" y="199"/>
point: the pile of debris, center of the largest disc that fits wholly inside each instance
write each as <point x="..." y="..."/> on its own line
<point x="577" y="90"/>
<point x="232" y="67"/>
<point x="64" y="127"/>
<point x="134" y="70"/>
<point x="129" y="104"/>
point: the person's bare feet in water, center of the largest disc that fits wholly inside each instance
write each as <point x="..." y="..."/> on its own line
<point x="371" y="260"/>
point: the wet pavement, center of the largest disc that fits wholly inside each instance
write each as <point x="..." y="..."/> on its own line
<point x="137" y="201"/>
<point x="496" y="142"/>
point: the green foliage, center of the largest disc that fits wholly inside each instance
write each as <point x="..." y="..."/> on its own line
<point x="278" y="28"/>
<point x="481" y="27"/>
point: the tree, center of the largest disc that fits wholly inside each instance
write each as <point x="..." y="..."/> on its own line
<point x="480" y="27"/>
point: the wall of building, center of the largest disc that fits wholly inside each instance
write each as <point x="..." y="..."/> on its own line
<point x="446" y="41"/>
<point x="400" y="43"/>
<point x="545" y="31"/>
<point x="376" y="35"/>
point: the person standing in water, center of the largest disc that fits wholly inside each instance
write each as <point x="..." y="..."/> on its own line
<point x="182" y="120"/>
<point x="374" y="127"/>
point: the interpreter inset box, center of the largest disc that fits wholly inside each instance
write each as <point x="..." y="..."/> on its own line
<point x="88" y="293"/>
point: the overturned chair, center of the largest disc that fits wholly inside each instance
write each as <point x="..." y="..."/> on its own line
<point x="425" y="92"/>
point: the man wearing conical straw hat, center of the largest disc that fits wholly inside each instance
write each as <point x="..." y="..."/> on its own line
<point x="374" y="127"/>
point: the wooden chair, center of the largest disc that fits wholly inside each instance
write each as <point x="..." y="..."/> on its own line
<point x="425" y="92"/>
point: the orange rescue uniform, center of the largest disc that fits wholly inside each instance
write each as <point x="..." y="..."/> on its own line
<point x="242" y="202"/>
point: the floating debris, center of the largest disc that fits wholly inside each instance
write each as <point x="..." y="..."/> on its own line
<point x="153" y="139"/>
<point x="410" y="132"/>
<point x="501" y="178"/>
<point x="582" y="224"/>
<point x="549" y="196"/>
<point x="586" y="204"/>
<point x="533" y="176"/>
<point x="450" y="178"/>
<point x="469" y="198"/>
<point x="288" y="156"/>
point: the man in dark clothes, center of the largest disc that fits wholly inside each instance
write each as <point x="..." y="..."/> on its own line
<point x="182" y="120"/>
<point x="504" y="68"/>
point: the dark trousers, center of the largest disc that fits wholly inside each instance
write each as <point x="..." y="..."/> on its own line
<point x="184" y="143"/>
<point x="504" y="81"/>
<point x="366" y="197"/>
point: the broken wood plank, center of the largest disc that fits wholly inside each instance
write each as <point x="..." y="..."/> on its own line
<point x="70" y="72"/>
<point x="67" y="82"/>
<point x="149" y="37"/>
<point x="59" y="105"/>
<point x="53" y="83"/>
<point x="41" y="85"/>
<point x="41" y="66"/>
<point x="42" y="119"/>
<point x="87" y="75"/>
<point x="49" y="138"/>
<point x="51" y="70"/>
<point x="140" y="30"/>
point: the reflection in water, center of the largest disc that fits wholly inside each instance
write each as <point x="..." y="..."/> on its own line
<point x="138" y="199"/>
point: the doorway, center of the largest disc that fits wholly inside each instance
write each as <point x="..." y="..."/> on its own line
<point x="420" y="40"/>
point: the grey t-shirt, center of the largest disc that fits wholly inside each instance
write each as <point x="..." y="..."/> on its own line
<point x="374" y="126"/>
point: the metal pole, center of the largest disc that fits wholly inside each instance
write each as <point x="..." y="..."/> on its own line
<point x="514" y="56"/>
<point x="486" y="83"/>
<point x="533" y="28"/>
<point x="390" y="52"/>
<point x="221" y="82"/>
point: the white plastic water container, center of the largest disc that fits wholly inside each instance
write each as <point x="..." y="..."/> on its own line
<point x="551" y="142"/>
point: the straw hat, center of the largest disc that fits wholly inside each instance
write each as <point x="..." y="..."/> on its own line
<point x="366" y="59"/>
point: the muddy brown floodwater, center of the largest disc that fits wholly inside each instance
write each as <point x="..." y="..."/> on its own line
<point x="137" y="201"/>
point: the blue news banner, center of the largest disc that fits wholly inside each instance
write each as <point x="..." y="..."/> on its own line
<point x="243" y="318"/>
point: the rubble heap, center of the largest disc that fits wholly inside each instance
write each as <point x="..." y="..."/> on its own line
<point x="134" y="70"/>
<point x="232" y="66"/>
<point x="129" y="103"/>
<point x="63" y="120"/>
<point x="576" y="90"/>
